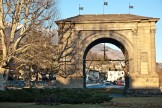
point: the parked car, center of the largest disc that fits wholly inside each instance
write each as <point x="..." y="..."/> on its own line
<point x="114" y="82"/>
<point x="107" y="83"/>
<point x="120" y="83"/>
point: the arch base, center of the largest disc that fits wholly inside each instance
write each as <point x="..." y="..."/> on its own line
<point x="144" y="82"/>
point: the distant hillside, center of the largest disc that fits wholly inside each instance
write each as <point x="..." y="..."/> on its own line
<point x="159" y="65"/>
<point x="98" y="53"/>
<point x="159" y="68"/>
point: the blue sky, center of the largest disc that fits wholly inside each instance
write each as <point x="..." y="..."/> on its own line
<point x="150" y="8"/>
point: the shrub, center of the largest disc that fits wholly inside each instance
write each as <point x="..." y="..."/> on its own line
<point x="65" y="96"/>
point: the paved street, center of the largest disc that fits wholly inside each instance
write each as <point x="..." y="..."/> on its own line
<point x="103" y="86"/>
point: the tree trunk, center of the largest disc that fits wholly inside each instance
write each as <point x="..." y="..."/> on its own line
<point x="126" y="82"/>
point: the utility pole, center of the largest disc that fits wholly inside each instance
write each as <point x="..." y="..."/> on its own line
<point x="104" y="50"/>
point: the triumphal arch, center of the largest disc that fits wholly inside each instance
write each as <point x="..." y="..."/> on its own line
<point x="134" y="35"/>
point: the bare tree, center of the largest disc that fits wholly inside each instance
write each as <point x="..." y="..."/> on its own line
<point x="45" y="53"/>
<point x="21" y="16"/>
<point x="67" y="53"/>
<point x="40" y="56"/>
<point x="124" y="66"/>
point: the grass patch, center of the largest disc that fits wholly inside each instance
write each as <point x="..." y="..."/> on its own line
<point x="31" y="105"/>
<point x="138" y="102"/>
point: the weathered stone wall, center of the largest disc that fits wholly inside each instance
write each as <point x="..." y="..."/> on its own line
<point x="69" y="82"/>
<point x="159" y="70"/>
<point x="138" y="39"/>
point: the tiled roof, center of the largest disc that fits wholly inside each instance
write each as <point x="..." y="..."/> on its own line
<point x="107" y="17"/>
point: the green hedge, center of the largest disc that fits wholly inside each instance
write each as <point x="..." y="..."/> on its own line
<point x="68" y="96"/>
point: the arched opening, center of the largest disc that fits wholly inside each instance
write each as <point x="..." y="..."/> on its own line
<point x="104" y="59"/>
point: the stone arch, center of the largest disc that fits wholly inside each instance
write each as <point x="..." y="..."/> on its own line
<point x="113" y="36"/>
<point x="136" y="35"/>
<point x="110" y="37"/>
